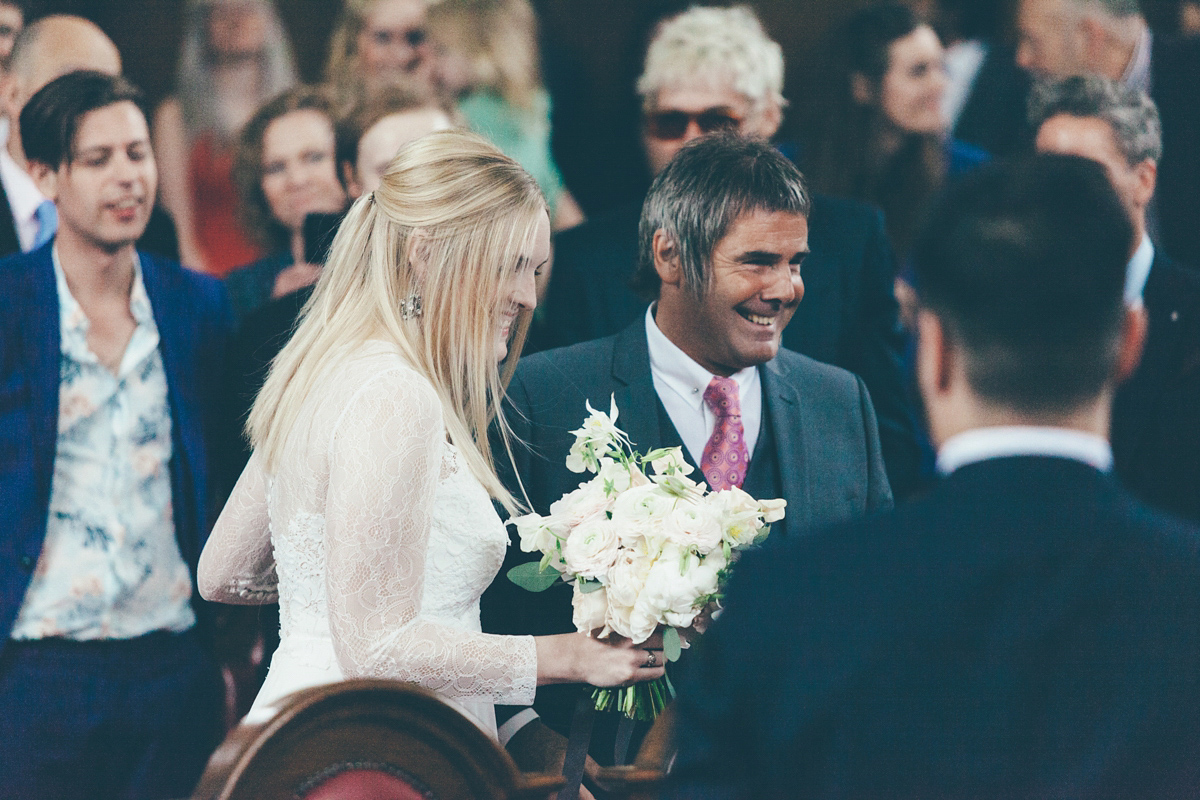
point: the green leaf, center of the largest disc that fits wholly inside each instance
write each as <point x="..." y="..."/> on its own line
<point x="532" y="577"/>
<point x="672" y="647"/>
<point x="762" y="534"/>
<point x="587" y="587"/>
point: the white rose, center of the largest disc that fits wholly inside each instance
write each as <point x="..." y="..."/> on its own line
<point x="671" y="592"/>
<point x="692" y="525"/>
<point x="590" y="610"/>
<point x="627" y="576"/>
<point x="591" y="548"/>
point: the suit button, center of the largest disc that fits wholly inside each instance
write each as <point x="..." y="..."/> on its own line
<point x="27" y="563"/>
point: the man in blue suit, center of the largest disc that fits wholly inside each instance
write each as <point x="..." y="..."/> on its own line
<point x="109" y="361"/>
<point x="1027" y="629"/>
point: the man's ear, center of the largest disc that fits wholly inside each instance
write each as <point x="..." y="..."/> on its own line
<point x="1147" y="175"/>
<point x="765" y="121"/>
<point x="666" y="259"/>
<point x="353" y="188"/>
<point x="45" y="178"/>
<point x="1133" y="338"/>
<point x="935" y="356"/>
<point x="1095" y="39"/>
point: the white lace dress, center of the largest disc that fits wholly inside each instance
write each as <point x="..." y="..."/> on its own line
<point x="377" y="541"/>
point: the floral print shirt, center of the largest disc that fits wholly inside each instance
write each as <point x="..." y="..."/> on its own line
<point x="110" y="567"/>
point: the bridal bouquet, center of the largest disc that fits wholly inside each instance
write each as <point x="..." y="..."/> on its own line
<point x="643" y="545"/>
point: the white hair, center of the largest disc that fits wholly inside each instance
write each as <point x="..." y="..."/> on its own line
<point x="725" y="46"/>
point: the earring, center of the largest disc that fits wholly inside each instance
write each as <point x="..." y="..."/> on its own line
<point x="410" y="306"/>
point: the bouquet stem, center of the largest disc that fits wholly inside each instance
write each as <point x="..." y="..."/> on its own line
<point x="642" y="701"/>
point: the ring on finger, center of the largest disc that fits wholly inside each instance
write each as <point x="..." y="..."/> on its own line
<point x="651" y="659"/>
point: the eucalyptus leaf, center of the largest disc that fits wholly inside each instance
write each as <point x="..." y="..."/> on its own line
<point x="672" y="647"/>
<point x="587" y="587"/>
<point x="532" y="577"/>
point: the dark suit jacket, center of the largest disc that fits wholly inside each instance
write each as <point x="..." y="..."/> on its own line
<point x="1026" y="630"/>
<point x="825" y="442"/>
<point x="847" y="317"/>
<point x="159" y="237"/>
<point x="1175" y="74"/>
<point x="193" y="318"/>
<point x="994" y="117"/>
<point x="1156" y="413"/>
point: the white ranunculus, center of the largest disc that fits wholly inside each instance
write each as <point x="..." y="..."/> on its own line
<point x="671" y="592"/>
<point x="591" y="548"/>
<point x="586" y="502"/>
<point x="693" y="525"/>
<point x="590" y="610"/>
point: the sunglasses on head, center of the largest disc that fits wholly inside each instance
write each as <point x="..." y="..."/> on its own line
<point x="668" y="125"/>
<point x="413" y="37"/>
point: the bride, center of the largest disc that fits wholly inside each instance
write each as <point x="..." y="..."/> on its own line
<point x="366" y="509"/>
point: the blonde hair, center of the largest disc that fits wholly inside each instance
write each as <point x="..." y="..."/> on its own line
<point x="498" y="38"/>
<point x="468" y="213"/>
<point x="726" y="45"/>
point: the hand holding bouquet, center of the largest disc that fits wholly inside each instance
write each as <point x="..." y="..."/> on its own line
<point x="643" y="545"/>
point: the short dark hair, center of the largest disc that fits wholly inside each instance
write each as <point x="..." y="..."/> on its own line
<point x="253" y="210"/>
<point x="50" y="120"/>
<point x="1024" y="264"/>
<point x="709" y="184"/>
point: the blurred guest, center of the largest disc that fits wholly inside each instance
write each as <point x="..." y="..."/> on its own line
<point x="44" y="50"/>
<point x="376" y="44"/>
<point x="487" y="68"/>
<point x="285" y="168"/>
<point x="986" y="92"/>
<point x="1155" y="430"/>
<point x="1189" y="18"/>
<point x="108" y="356"/>
<point x="879" y="130"/>
<point x="235" y="57"/>
<point x="1110" y="38"/>
<point x="369" y="137"/>
<point x="12" y="20"/>
<point x="715" y="69"/>
<point x="1028" y="628"/>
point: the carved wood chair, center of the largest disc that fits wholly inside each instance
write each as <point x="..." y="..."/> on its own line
<point x="643" y="779"/>
<point x="365" y="740"/>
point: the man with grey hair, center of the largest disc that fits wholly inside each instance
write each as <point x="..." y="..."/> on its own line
<point x="716" y="70"/>
<point x="1110" y="39"/>
<point x="1155" y="430"/>
<point x="724" y="237"/>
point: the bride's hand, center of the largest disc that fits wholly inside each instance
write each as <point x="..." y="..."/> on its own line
<point x="576" y="658"/>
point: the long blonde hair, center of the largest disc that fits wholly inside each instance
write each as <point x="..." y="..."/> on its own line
<point x="343" y="67"/>
<point x="469" y="213"/>
<point x="499" y="40"/>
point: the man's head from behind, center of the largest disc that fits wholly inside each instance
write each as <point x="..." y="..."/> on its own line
<point x="1108" y="122"/>
<point x="89" y="152"/>
<point x="1059" y="38"/>
<point x="50" y="47"/>
<point x="709" y="69"/>
<point x="723" y="234"/>
<point x="1021" y="270"/>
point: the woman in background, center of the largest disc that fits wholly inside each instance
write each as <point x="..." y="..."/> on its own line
<point x="487" y="69"/>
<point x="235" y="57"/>
<point x="377" y="44"/>
<point x="285" y="168"/>
<point x="367" y="507"/>
<point x="879" y="132"/>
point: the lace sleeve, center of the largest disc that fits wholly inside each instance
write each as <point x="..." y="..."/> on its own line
<point x="384" y="463"/>
<point x="238" y="565"/>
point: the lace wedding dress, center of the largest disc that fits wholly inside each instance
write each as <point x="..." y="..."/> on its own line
<point x="378" y="541"/>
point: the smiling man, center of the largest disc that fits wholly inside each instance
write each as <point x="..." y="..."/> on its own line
<point x="723" y="237"/>
<point x="109" y="408"/>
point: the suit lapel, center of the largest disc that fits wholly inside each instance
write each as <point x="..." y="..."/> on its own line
<point x="43" y="351"/>
<point x="781" y="402"/>
<point x="9" y="243"/>
<point x="635" y="395"/>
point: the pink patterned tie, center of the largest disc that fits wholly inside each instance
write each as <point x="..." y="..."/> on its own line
<point x="725" y="457"/>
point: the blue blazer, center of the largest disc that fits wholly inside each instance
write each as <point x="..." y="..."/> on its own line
<point x="194" y="320"/>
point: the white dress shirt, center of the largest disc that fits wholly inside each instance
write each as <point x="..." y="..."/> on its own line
<point x="963" y="61"/>
<point x="23" y="198"/>
<point x="1138" y="272"/>
<point x="680" y="383"/>
<point x="1138" y="73"/>
<point x="1002" y="441"/>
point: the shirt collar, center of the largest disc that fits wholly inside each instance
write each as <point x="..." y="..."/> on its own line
<point x="23" y="195"/>
<point x="677" y="369"/>
<point x="982" y="444"/>
<point x="71" y="313"/>
<point x="1137" y="74"/>
<point x="1138" y="272"/>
